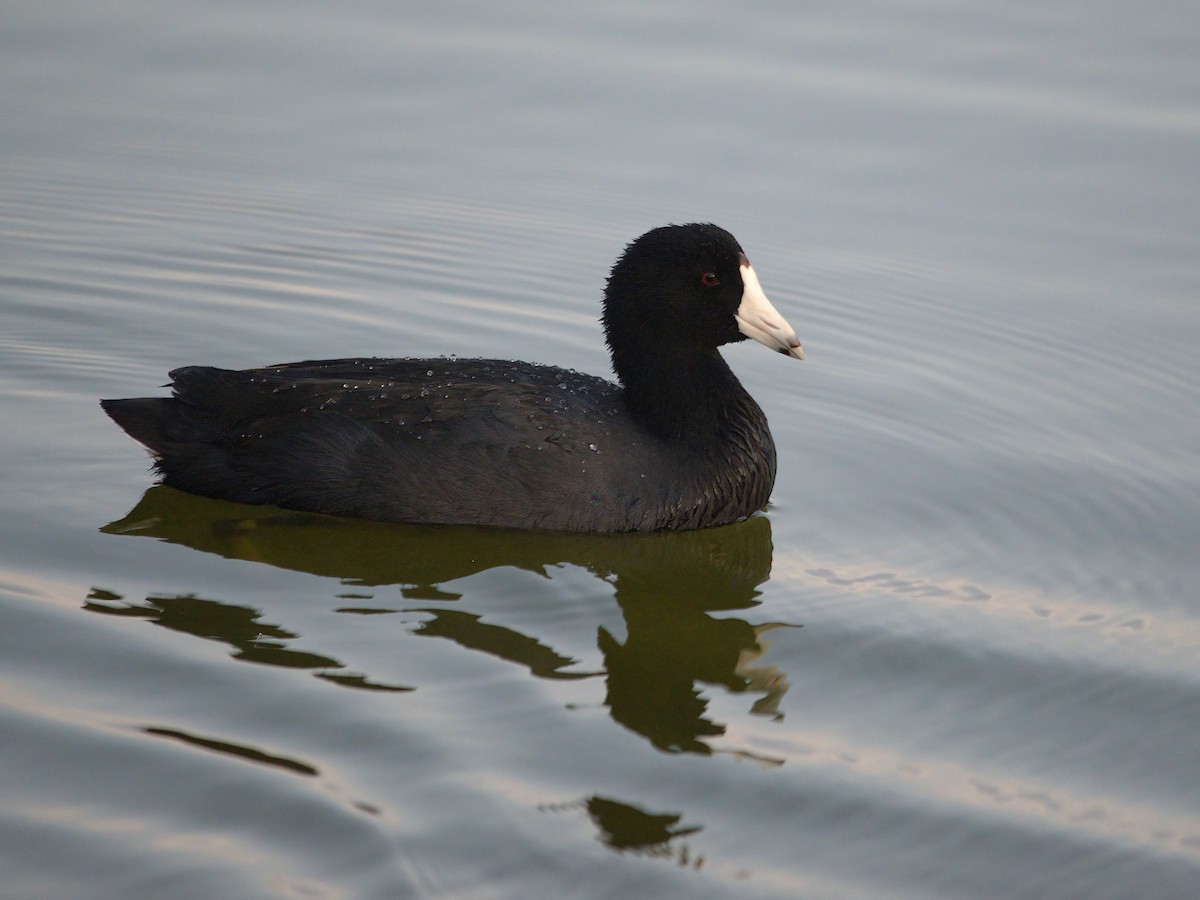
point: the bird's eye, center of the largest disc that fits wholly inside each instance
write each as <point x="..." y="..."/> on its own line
<point x="710" y="279"/>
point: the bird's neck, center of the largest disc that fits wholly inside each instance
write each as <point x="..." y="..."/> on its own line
<point x="686" y="397"/>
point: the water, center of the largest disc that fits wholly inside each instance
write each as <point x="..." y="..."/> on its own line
<point x="959" y="656"/>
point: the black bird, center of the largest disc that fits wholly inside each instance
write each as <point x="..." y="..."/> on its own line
<point x="678" y="444"/>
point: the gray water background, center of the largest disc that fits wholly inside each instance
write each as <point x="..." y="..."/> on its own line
<point x="959" y="656"/>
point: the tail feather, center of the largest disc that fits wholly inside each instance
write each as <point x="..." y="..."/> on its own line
<point x="155" y="422"/>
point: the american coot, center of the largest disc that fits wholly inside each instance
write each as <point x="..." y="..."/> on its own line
<point x="679" y="444"/>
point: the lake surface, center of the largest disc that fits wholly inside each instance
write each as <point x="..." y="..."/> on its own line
<point x="959" y="655"/>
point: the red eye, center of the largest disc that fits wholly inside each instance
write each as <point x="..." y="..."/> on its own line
<point x="710" y="279"/>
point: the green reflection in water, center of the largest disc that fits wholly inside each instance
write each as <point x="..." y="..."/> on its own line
<point x="237" y="626"/>
<point x="626" y="828"/>
<point x="466" y="630"/>
<point x="668" y="587"/>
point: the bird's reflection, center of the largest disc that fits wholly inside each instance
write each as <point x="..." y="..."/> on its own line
<point x="252" y="640"/>
<point x="626" y="828"/>
<point x="667" y="586"/>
